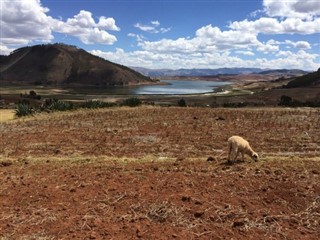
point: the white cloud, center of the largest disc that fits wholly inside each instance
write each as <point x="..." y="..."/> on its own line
<point x="273" y="26"/>
<point x="284" y="59"/>
<point x="24" y="21"/>
<point x="270" y="46"/>
<point x="303" y="9"/>
<point x="86" y="29"/>
<point x="107" y="24"/>
<point x="246" y="53"/>
<point x="225" y="39"/>
<point x="4" y="50"/>
<point x="267" y="48"/>
<point x="155" y="23"/>
<point x="153" y="27"/>
<point x="211" y="47"/>
<point x="299" y="44"/>
<point x="146" y="28"/>
<point x="207" y="39"/>
<point x="83" y="19"/>
<point x="138" y="37"/>
<point x="27" y="20"/>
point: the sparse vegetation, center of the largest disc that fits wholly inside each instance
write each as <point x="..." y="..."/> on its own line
<point x="32" y="95"/>
<point x="96" y="104"/>
<point x="58" y="105"/>
<point x="182" y="103"/>
<point x="289" y="102"/>
<point x="23" y="110"/>
<point x="132" y="102"/>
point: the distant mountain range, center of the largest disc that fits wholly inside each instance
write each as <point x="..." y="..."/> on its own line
<point x="59" y="64"/>
<point x="213" y="72"/>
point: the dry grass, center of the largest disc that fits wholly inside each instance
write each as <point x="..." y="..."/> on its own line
<point x="6" y="115"/>
<point x="164" y="132"/>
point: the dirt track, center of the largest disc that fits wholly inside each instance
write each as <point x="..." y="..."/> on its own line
<point x="142" y="173"/>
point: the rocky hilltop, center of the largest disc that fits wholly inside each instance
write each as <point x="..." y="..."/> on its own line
<point x="59" y="64"/>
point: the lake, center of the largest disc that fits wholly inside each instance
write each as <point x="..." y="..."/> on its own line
<point x="171" y="87"/>
<point x="178" y="87"/>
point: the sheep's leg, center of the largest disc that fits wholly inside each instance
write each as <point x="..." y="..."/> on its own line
<point x="229" y="154"/>
<point x="237" y="153"/>
<point x="242" y="156"/>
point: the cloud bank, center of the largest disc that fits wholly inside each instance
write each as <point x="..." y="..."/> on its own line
<point x="25" y="21"/>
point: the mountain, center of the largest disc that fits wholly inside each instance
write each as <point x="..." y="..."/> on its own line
<point x="195" y="72"/>
<point x="59" y="64"/>
<point x="293" y="72"/>
<point x="213" y="72"/>
<point x="307" y="80"/>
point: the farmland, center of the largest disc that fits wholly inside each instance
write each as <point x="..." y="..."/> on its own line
<point x="128" y="173"/>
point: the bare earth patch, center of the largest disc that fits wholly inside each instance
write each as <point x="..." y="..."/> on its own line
<point x="129" y="173"/>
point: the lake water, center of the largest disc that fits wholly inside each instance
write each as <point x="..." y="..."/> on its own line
<point x="172" y="87"/>
<point x="179" y="87"/>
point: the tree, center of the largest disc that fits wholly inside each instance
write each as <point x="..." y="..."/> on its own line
<point x="285" y="100"/>
<point x="182" y="103"/>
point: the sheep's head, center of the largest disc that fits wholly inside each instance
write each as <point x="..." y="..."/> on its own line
<point x="255" y="156"/>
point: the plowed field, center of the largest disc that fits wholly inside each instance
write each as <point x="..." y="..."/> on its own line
<point x="142" y="173"/>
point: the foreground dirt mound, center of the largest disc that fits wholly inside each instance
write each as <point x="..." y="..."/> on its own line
<point x="143" y="173"/>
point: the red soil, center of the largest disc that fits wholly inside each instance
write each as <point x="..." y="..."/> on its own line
<point x="143" y="174"/>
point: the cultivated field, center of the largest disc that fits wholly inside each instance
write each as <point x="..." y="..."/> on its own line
<point x="142" y="173"/>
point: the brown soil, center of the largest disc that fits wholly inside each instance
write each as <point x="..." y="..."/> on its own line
<point x="142" y="173"/>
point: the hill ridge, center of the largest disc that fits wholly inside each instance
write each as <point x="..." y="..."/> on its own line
<point x="61" y="64"/>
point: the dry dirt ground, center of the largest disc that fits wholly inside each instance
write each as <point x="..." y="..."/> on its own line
<point x="142" y="173"/>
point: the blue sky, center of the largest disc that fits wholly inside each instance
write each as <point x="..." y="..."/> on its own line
<point x="172" y="34"/>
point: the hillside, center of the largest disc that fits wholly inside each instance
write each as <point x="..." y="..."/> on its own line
<point x="308" y="80"/>
<point x="59" y="64"/>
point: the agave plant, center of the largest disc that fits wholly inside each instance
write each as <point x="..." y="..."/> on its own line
<point x="23" y="110"/>
<point x="96" y="104"/>
<point x="61" y="106"/>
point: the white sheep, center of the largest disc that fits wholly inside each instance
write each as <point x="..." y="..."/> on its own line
<point x="239" y="145"/>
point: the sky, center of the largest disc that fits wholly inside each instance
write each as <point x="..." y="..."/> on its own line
<point x="172" y="34"/>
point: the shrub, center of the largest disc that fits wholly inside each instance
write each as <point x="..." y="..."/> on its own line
<point x="96" y="104"/>
<point x="34" y="95"/>
<point x="182" y="103"/>
<point x="132" y="102"/>
<point x="61" y="106"/>
<point x="285" y="101"/>
<point x="236" y="105"/>
<point x="23" y="110"/>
